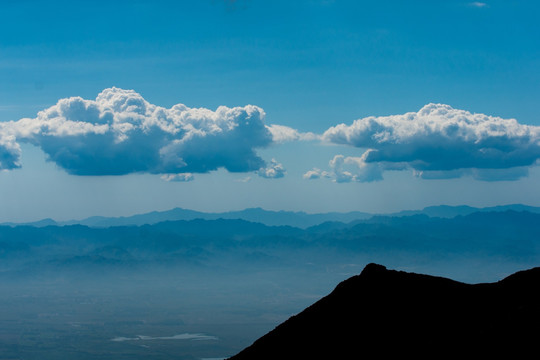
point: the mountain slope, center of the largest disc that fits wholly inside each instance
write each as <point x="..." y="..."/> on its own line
<point x="384" y="314"/>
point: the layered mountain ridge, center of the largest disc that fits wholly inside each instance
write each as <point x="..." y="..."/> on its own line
<point x="272" y="218"/>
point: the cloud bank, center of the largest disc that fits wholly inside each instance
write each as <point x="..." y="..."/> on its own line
<point x="121" y="133"/>
<point x="438" y="141"/>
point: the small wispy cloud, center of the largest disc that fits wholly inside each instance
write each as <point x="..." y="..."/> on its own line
<point x="282" y="134"/>
<point x="186" y="336"/>
<point x="316" y="173"/>
<point x="478" y="4"/>
<point x="244" y="179"/>
<point x="182" y="177"/>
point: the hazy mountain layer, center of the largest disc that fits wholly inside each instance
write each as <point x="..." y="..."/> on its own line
<point x="274" y="218"/>
<point x="504" y="237"/>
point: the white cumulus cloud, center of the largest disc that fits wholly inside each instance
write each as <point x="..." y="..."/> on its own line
<point x="440" y="141"/>
<point x="274" y="170"/>
<point x="350" y="168"/>
<point x="344" y="169"/>
<point x="10" y="151"/>
<point x="120" y="133"/>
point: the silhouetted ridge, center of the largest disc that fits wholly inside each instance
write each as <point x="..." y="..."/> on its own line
<point x="373" y="269"/>
<point x="385" y="313"/>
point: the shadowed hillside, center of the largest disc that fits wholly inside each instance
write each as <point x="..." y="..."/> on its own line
<point x="385" y="313"/>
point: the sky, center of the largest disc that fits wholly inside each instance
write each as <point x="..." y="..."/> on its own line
<point x="116" y="108"/>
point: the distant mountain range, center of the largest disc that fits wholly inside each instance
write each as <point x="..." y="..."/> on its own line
<point x="272" y="218"/>
<point x="393" y="314"/>
<point x="497" y="239"/>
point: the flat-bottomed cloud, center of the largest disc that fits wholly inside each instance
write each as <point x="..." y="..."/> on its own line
<point x="121" y="133"/>
<point x="439" y="141"/>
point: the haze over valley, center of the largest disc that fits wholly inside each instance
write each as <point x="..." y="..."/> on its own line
<point x="208" y="288"/>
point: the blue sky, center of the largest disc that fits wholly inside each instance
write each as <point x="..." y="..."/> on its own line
<point x="307" y="66"/>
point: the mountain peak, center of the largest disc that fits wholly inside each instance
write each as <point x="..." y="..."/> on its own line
<point x="373" y="269"/>
<point x="414" y="314"/>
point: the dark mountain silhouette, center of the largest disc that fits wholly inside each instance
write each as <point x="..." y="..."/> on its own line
<point x="388" y="314"/>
